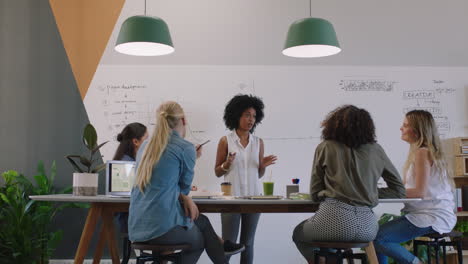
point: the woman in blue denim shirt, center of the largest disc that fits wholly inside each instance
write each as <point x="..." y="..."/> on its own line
<point x="160" y="210"/>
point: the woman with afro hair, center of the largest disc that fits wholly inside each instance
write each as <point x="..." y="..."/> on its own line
<point x="347" y="166"/>
<point x="240" y="159"/>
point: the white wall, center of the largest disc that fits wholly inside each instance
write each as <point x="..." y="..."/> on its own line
<point x="296" y="101"/>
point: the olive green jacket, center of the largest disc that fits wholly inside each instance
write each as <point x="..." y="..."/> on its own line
<point x="351" y="175"/>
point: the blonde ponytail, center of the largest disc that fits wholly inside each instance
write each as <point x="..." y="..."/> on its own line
<point x="168" y="117"/>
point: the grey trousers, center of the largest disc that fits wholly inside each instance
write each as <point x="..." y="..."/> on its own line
<point x="335" y="221"/>
<point x="201" y="236"/>
<point x="230" y="226"/>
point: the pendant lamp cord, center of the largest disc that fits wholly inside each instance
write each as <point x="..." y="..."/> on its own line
<point x="310" y="8"/>
<point x="145" y="7"/>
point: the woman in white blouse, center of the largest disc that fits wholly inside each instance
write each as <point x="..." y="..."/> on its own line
<point x="240" y="159"/>
<point x="426" y="177"/>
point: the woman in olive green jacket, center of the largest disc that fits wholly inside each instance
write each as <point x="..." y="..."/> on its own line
<point x="347" y="166"/>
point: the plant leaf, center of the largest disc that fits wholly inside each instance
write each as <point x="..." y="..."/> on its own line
<point x="28" y="205"/>
<point x="90" y="136"/>
<point x="42" y="183"/>
<point x="53" y="172"/>
<point x="97" y="148"/>
<point x="74" y="164"/>
<point x="40" y="168"/>
<point x="98" y="168"/>
<point x="4" y="198"/>
<point x="85" y="161"/>
<point x="68" y="189"/>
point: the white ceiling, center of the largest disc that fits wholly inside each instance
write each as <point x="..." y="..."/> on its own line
<point x="252" y="32"/>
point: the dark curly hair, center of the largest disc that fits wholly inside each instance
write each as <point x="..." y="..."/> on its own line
<point x="237" y="105"/>
<point x="349" y="125"/>
<point x="126" y="147"/>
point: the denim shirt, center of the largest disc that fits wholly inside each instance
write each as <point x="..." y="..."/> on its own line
<point x="158" y="210"/>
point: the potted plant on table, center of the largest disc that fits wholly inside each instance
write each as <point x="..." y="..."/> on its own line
<point x="85" y="178"/>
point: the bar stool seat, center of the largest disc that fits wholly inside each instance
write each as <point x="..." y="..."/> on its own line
<point x="343" y="250"/>
<point x="436" y="240"/>
<point x="157" y="250"/>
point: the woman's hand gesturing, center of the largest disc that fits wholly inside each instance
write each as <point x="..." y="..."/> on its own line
<point x="267" y="161"/>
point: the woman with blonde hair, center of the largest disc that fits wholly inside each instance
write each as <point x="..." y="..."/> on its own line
<point x="160" y="210"/>
<point x="425" y="176"/>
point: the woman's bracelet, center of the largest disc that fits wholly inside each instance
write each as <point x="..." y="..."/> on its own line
<point x="224" y="169"/>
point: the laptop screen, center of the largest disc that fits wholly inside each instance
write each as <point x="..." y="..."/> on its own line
<point x="120" y="177"/>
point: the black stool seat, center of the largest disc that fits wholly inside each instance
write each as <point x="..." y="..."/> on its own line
<point x="157" y="249"/>
<point x="436" y="241"/>
<point x="343" y="250"/>
<point x="338" y="245"/>
<point x="452" y="234"/>
<point x="160" y="247"/>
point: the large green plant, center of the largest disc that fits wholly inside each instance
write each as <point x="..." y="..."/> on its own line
<point x="87" y="161"/>
<point x="462" y="226"/>
<point x="25" y="224"/>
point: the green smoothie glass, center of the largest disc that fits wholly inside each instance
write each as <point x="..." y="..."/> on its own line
<point x="268" y="188"/>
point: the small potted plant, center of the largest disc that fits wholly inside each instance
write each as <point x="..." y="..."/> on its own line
<point x="85" y="178"/>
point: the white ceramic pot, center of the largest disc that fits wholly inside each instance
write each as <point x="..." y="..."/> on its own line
<point x="85" y="184"/>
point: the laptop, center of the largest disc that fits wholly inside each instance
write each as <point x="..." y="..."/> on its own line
<point x="120" y="176"/>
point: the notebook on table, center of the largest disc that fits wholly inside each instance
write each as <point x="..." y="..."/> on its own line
<point x="265" y="197"/>
<point x="120" y="176"/>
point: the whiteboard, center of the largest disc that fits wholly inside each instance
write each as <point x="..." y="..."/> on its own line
<point x="296" y="100"/>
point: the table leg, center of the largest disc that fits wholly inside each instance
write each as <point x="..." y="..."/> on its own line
<point x="90" y="225"/>
<point x="100" y="245"/>
<point x="371" y="255"/>
<point x="109" y="231"/>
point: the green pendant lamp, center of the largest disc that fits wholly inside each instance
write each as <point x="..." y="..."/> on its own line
<point x="311" y="37"/>
<point x="144" y="36"/>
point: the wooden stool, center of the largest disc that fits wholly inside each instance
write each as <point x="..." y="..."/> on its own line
<point x="436" y="241"/>
<point x="343" y="250"/>
<point x="156" y="251"/>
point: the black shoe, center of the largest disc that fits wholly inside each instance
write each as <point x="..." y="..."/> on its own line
<point x="232" y="248"/>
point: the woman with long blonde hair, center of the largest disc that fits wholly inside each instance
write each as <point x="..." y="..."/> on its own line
<point x="160" y="210"/>
<point x="426" y="176"/>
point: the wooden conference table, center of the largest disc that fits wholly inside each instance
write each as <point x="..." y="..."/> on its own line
<point x="104" y="207"/>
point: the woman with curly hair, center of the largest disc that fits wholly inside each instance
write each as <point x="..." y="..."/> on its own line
<point x="425" y="176"/>
<point x="240" y="159"/>
<point x="347" y="165"/>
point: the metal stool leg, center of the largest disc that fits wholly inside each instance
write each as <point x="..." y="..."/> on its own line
<point x="339" y="256"/>
<point x="444" y="251"/>
<point x="436" y="248"/>
<point x="126" y="250"/>
<point x="415" y="247"/>
<point x="317" y="257"/>
<point x="459" y="252"/>
<point x="428" y="254"/>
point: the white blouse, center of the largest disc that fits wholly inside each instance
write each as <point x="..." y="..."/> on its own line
<point x="243" y="173"/>
<point x="437" y="207"/>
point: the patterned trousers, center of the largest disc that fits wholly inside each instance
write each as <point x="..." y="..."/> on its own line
<point x="336" y="221"/>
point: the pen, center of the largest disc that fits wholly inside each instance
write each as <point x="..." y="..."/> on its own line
<point x="199" y="146"/>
